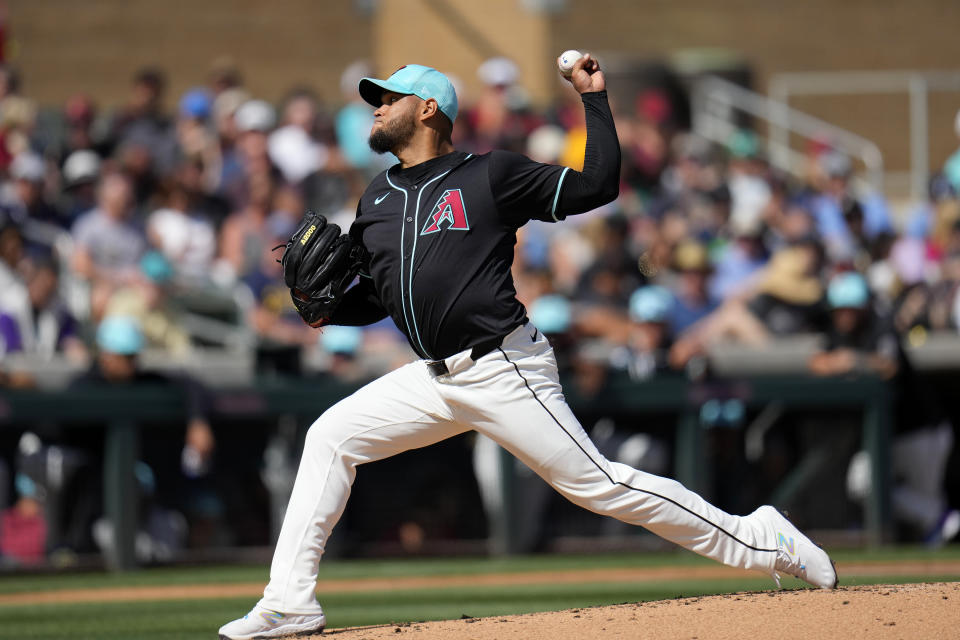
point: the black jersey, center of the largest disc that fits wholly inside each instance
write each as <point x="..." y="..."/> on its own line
<point x="441" y="236"/>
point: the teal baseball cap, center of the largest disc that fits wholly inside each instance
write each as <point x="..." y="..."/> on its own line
<point x="414" y="79"/>
<point x="651" y="303"/>
<point x="551" y="314"/>
<point x="121" y="335"/>
<point x="848" y="290"/>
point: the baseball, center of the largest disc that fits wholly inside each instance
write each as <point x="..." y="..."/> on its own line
<point x="566" y="61"/>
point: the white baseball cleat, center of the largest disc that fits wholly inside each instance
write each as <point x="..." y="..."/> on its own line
<point x="797" y="555"/>
<point x="266" y="623"/>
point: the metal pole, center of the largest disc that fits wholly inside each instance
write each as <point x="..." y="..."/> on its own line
<point x="779" y="145"/>
<point x="876" y="437"/>
<point x="689" y="456"/>
<point x="919" y="137"/>
<point x="120" y="499"/>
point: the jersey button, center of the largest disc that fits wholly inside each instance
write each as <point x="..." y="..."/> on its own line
<point x="414" y="187"/>
<point x="409" y="219"/>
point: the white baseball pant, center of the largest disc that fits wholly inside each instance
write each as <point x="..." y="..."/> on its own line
<point x="513" y="396"/>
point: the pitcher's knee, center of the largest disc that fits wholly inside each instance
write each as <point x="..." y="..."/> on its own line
<point x="324" y="431"/>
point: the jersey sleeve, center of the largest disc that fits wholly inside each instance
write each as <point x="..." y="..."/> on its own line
<point x="523" y="189"/>
<point x="361" y="304"/>
<point x="527" y="190"/>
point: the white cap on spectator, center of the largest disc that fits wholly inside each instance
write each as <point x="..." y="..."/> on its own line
<point x="498" y="72"/>
<point x="255" y="115"/>
<point x="27" y="166"/>
<point x="295" y="153"/>
<point x="81" y="166"/>
<point x="227" y="103"/>
<point x="546" y="143"/>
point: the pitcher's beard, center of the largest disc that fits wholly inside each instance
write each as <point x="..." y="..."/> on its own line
<point x="393" y="136"/>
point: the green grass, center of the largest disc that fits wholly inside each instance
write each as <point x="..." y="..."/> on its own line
<point x="199" y="618"/>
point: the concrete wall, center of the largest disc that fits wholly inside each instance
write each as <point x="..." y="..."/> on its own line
<point x="65" y="46"/>
<point x="95" y="46"/>
<point x="808" y="35"/>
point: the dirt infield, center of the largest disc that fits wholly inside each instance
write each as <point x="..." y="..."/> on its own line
<point x="927" y="611"/>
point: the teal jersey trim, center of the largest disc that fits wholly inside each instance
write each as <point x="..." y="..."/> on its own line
<point x="403" y="227"/>
<point x="413" y="257"/>
<point x="556" y="196"/>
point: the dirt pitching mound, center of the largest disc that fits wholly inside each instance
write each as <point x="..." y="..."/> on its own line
<point x="876" y="612"/>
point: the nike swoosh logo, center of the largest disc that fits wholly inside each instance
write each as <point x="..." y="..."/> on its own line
<point x="381" y="198"/>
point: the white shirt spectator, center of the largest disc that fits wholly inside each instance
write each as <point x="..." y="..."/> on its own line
<point x="188" y="241"/>
<point x="295" y="153"/>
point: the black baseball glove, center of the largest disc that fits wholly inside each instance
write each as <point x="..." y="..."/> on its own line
<point x="319" y="263"/>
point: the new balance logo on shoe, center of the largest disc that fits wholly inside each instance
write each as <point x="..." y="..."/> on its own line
<point x="785" y="543"/>
<point x="272" y="617"/>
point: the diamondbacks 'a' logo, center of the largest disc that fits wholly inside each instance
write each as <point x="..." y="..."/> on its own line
<point x="450" y="210"/>
<point x="786" y="543"/>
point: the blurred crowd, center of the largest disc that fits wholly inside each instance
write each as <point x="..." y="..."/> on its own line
<point x="170" y="217"/>
<point x="151" y="226"/>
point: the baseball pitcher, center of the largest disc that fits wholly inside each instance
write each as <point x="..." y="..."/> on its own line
<point x="433" y="244"/>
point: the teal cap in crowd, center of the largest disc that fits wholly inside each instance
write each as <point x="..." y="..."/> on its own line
<point x="651" y="304"/>
<point x="414" y="79"/>
<point x="120" y="335"/>
<point x="551" y="314"/>
<point x="848" y="290"/>
<point x="341" y="339"/>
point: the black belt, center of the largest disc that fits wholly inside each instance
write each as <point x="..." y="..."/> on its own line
<point x="439" y="367"/>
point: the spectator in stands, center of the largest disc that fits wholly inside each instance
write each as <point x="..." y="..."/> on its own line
<point x="254" y="119"/>
<point x="142" y="119"/>
<point x="789" y="296"/>
<point x="108" y="244"/>
<point x="182" y="230"/>
<point x="841" y="214"/>
<point x="23" y="527"/>
<point x="497" y="119"/>
<point x="294" y="147"/>
<point x="646" y="352"/>
<point x="343" y="347"/>
<point x="553" y="316"/>
<point x="12" y="263"/>
<point x="740" y="260"/>
<point x="858" y="339"/>
<point x="81" y="171"/>
<point x="197" y="144"/>
<point x="147" y="300"/>
<point x="18" y="118"/>
<point x="786" y="299"/>
<point x="24" y="202"/>
<point x="23" y="198"/>
<point x="228" y="183"/>
<point x="243" y="235"/>
<point x="353" y="122"/>
<point x="614" y="274"/>
<point x="861" y="341"/>
<point x="951" y="168"/>
<point x="693" y="301"/>
<point x="39" y="323"/>
<point x="79" y="114"/>
<point x="120" y="342"/>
